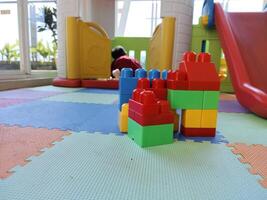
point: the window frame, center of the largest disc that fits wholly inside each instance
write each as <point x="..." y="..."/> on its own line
<point x="25" y="70"/>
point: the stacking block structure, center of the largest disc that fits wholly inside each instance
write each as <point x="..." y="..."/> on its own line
<point x="129" y="81"/>
<point x="150" y="120"/>
<point x="194" y="88"/>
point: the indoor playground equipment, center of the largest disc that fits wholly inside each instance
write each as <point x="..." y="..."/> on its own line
<point x="161" y="45"/>
<point x="150" y="102"/>
<point x="89" y="52"/>
<point x="207" y="40"/>
<point x="243" y="39"/>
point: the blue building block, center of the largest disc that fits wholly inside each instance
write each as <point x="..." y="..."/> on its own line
<point x="164" y="74"/>
<point x="124" y="98"/>
<point x="128" y="83"/>
<point x="154" y="73"/>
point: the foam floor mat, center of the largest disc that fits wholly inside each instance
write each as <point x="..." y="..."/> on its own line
<point x="95" y="166"/>
<point x="243" y="128"/>
<point x="62" y="115"/>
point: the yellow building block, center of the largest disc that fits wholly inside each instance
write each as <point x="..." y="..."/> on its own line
<point x="176" y="121"/>
<point x="123" y="118"/>
<point x="209" y="118"/>
<point x="191" y="118"/>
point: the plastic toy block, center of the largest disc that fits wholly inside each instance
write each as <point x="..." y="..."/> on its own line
<point x="200" y="73"/>
<point x="211" y="100"/>
<point x="143" y="83"/>
<point x="123" y="118"/>
<point x="124" y="98"/>
<point x="154" y="74"/>
<point x="191" y="118"/>
<point x="159" y="88"/>
<point x="198" y="132"/>
<point x="185" y="99"/>
<point x="146" y="136"/>
<point x="146" y="110"/>
<point x="209" y="118"/>
<point x="164" y="74"/>
<point x="175" y="121"/>
<point x="177" y="80"/>
<point x="128" y="81"/>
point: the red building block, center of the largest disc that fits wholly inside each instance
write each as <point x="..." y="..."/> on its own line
<point x="177" y="80"/>
<point x="201" y="73"/>
<point x="146" y="109"/>
<point x="198" y="132"/>
<point x="158" y="87"/>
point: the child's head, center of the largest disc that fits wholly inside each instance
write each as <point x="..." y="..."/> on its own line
<point x="117" y="52"/>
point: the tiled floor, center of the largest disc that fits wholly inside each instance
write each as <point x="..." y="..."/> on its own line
<point x="96" y="161"/>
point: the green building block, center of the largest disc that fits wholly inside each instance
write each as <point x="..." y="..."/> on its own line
<point x="185" y="99"/>
<point x="211" y="100"/>
<point x="146" y="136"/>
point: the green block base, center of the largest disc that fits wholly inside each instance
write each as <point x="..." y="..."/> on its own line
<point x="147" y="136"/>
<point x="185" y="99"/>
<point x="193" y="99"/>
<point x="211" y="100"/>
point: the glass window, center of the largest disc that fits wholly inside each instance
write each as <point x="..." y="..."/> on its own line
<point x="9" y="36"/>
<point x="141" y="19"/>
<point x="42" y="17"/>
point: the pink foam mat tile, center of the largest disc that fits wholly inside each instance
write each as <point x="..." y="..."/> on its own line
<point x="9" y="102"/>
<point x="17" y="144"/>
<point x="26" y="94"/>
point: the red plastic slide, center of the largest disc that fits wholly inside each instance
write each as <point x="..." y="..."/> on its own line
<point x="243" y="38"/>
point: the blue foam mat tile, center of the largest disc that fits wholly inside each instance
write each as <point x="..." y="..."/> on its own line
<point x="98" y="91"/>
<point x="218" y="139"/>
<point x="95" y="166"/>
<point x="63" y="116"/>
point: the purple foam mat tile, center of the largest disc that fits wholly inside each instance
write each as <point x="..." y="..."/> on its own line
<point x="26" y="94"/>
<point x="231" y="106"/>
<point x="10" y="102"/>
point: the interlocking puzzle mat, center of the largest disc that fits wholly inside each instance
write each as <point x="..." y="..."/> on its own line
<point x="63" y="116"/>
<point x="17" y="144"/>
<point x="96" y="166"/>
<point x="26" y="94"/>
<point x="82" y="97"/>
<point x="243" y="128"/>
<point x="256" y="157"/>
<point x="231" y="106"/>
<point x="9" y="102"/>
<point x="93" y="163"/>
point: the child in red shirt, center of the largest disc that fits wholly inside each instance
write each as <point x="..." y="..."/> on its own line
<point x="121" y="60"/>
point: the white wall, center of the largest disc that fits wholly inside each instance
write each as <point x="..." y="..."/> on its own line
<point x="100" y="11"/>
<point x="65" y="8"/>
<point x="182" y="10"/>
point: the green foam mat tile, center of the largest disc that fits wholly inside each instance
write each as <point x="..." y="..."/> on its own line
<point x="243" y="128"/>
<point x="95" y="166"/>
<point x="81" y="97"/>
